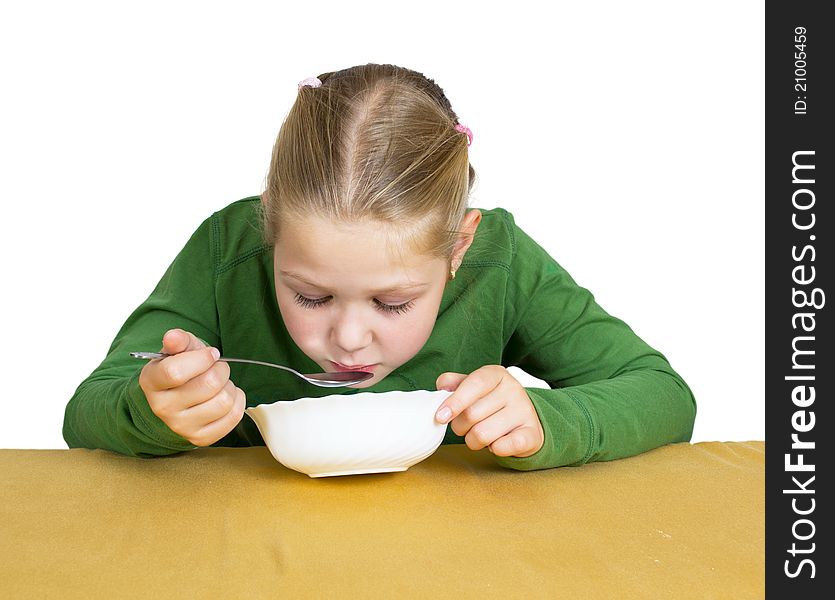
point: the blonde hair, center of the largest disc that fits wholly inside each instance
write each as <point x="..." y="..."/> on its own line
<point x="372" y="143"/>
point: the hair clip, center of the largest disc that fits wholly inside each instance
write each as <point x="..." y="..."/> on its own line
<point x="310" y="81"/>
<point x="464" y="129"/>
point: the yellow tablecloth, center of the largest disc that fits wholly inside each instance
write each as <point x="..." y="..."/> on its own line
<point x="682" y="521"/>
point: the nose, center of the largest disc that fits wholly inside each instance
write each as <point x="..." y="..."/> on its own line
<point x="351" y="331"/>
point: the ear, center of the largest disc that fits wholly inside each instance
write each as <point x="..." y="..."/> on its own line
<point x="469" y="224"/>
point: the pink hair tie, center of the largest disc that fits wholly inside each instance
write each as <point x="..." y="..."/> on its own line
<point x="311" y="81"/>
<point x="464" y="129"/>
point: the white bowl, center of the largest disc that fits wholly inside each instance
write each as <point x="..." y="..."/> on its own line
<point x="351" y="434"/>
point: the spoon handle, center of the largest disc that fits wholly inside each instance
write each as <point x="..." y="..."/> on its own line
<point x="153" y="355"/>
<point x="149" y="355"/>
<point x="338" y="379"/>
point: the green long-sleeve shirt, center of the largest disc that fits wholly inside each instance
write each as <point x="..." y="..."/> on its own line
<point x="510" y="304"/>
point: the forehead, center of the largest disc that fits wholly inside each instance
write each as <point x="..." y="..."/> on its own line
<point x="364" y="255"/>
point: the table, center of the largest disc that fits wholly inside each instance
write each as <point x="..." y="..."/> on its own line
<point x="681" y="521"/>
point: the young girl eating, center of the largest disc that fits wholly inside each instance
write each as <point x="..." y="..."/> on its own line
<point x="363" y="254"/>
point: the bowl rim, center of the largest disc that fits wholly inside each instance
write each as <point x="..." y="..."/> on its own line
<point x="364" y="395"/>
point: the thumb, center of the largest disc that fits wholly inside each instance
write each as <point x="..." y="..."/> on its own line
<point x="177" y="340"/>
<point x="449" y="381"/>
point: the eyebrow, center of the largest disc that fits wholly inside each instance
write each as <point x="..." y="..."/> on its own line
<point x="395" y="288"/>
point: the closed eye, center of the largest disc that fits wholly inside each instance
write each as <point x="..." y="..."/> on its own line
<point x="381" y="306"/>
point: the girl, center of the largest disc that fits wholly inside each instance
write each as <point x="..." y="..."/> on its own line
<point x="362" y="254"/>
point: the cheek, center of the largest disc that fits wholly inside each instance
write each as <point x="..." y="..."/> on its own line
<point x="300" y="323"/>
<point x="406" y="336"/>
<point x="301" y="329"/>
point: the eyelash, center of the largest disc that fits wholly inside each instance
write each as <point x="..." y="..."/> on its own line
<point x="386" y="308"/>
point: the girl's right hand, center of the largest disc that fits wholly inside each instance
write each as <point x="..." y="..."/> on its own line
<point x="191" y="391"/>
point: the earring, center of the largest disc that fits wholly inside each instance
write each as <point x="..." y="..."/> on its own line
<point x="451" y="271"/>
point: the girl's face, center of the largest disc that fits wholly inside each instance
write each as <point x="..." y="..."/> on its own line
<point x="347" y="301"/>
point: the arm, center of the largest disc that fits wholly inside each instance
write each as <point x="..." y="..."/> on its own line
<point x="109" y="409"/>
<point x="611" y="395"/>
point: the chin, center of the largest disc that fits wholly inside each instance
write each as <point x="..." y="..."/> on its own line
<point x="367" y="383"/>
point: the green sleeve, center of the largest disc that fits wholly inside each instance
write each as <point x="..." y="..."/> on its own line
<point x="109" y="409"/>
<point x="611" y="395"/>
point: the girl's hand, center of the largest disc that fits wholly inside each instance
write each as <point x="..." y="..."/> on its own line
<point x="489" y="407"/>
<point x="191" y="391"/>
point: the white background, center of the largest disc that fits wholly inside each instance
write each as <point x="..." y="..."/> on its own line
<point x="627" y="138"/>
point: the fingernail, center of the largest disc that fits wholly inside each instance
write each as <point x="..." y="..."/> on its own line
<point x="216" y="353"/>
<point x="443" y="415"/>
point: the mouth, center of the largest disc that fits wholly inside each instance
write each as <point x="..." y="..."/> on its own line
<point x="364" y="368"/>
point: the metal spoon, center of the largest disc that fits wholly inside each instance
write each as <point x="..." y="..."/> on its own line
<point x="337" y="379"/>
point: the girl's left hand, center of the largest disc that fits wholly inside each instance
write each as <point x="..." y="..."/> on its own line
<point x="489" y="407"/>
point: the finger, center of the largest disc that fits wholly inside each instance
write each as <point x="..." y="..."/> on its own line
<point x="188" y="421"/>
<point x="449" y="381"/>
<point x="213" y="408"/>
<point x="477" y="384"/>
<point x="478" y="411"/>
<point x="201" y="388"/>
<point x="486" y="432"/>
<point x="217" y="429"/>
<point x="174" y="371"/>
<point x="175" y="341"/>
<point x="520" y="442"/>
